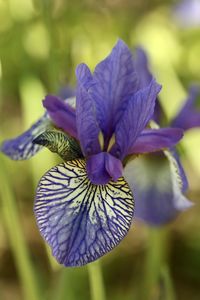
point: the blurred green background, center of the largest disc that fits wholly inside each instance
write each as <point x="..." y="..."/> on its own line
<point x="41" y="42"/>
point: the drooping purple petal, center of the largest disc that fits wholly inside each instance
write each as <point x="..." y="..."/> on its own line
<point x="138" y="112"/>
<point x="151" y="140"/>
<point x="189" y="116"/>
<point x="87" y="127"/>
<point x="172" y="155"/>
<point x="114" y="82"/>
<point x="22" y="147"/>
<point x="103" y="167"/>
<point x="157" y="184"/>
<point x="81" y="221"/>
<point x="61" y="113"/>
<point x="179" y="185"/>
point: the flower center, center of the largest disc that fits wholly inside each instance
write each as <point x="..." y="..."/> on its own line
<point x="103" y="167"/>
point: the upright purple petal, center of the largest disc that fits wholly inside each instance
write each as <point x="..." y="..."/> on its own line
<point x="22" y="147"/>
<point x="145" y="77"/>
<point x="142" y="68"/>
<point x="81" y="221"/>
<point x="189" y="116"/>
<point x="87" y="126"/>
<point x="62" y="114"/>
<point x="114" y="82"/>
<point x="138" y="112"/>
<point x="84" y="76"/>
<point x="151" y="140"/>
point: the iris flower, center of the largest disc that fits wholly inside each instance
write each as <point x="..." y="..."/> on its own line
<point x="84" y="206"/>
<point x="158" y="179"/>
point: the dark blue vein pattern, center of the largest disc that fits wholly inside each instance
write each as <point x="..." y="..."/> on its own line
<point x="79" y="220"/>
<point x="22" y="147"/>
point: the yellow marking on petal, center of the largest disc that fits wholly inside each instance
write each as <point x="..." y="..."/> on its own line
<point x="111" y="142"/>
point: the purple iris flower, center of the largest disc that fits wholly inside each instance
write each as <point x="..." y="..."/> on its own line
<point x="84" y="206"/>
<point x="158" y="179"/>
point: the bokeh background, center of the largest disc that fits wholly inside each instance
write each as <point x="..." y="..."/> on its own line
<point x="41" y="42"/>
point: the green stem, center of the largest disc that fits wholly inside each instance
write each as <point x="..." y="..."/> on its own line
<point x="168" y="284"/>
<point x="70" y="284"/>
<point x="15" y="235"/>
<point x="63" y="290"/>
<point x="96" y="281"/>
<point x="156" y="278"/>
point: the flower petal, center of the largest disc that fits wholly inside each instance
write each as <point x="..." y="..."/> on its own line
<point x="61" y="113"/>
<point x="141" y="65"/>
<point x="59" y="142"/>
<point x="80" y="221"/>
<point x="145" y="77"/>
<point x="84" y="76"/>
<point x="138" y="112"/>
<point x="175" y="160"/>
<point x="157" y="184"/>
<point x="87" y="127"/>
<point x="188" y="117"/>
<point x="179" y="178"/>
<point x="103" y="167"/>
<point x="151" y="140"/>
<point x="22" y="147"/>
<point x="114" y="82"/>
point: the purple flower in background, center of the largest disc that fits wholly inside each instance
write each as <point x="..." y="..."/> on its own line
<point x="187" y="13"/>
<point x="84" y="206"/>
<point x="158" y="179"/>
<point x="189" y="116"/>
